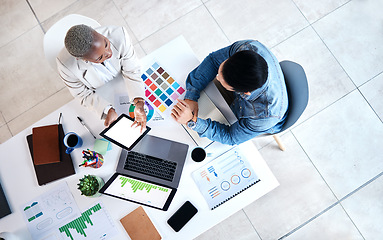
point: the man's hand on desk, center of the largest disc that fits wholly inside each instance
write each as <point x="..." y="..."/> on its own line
<point x="182" y="112"/>
<point x="110" y="117"/>
<point x="139" y="113"/>
<point x="193" y="106"/>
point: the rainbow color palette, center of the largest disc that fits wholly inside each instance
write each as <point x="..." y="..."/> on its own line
<point x="161" y="90"/>
<point x="149" y="111"/>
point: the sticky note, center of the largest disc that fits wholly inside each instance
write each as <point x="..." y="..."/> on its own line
<point x="101" y="146"/>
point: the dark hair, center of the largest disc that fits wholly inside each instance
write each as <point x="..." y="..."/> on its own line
<point x="78" y="40"/>
<point x="245" y="71"/>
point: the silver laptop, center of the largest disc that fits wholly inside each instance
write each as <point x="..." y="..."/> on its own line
<point x="159" y="148"/>
<point x="123" y="184"/>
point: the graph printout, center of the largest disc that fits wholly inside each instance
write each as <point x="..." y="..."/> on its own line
<point x="139" y="191"/>
<point x="45" y="213"/>
<point x="93" y="224"/>
<point x="225" y="177"/>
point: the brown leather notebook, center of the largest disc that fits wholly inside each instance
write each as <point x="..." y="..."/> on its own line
<point x="138" y="225"/>
<point x="50" y="172"/>
<point x="46" y="144"/>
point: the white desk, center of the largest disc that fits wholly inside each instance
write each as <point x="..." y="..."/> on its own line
<point x="20" y="185"/>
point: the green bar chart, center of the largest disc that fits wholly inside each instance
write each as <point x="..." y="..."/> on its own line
<point x="138" y="185"/>
<point x="139" y="191"/>
<point x="92" y="224"/>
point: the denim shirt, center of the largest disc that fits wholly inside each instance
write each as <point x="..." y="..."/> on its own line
<point x="261" y="112"/>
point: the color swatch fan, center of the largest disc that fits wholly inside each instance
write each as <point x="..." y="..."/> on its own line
<point x="149" y="111"/>
<point x="161" y="90"/>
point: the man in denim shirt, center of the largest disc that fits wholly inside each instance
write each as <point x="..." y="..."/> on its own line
<point x="251" y="74"/>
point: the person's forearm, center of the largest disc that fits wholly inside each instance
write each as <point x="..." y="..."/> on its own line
<point x="201" y="76"/>
<point x="231" y="135"/>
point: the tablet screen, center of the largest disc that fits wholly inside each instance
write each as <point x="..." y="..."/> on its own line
<point x="123" y="134"/>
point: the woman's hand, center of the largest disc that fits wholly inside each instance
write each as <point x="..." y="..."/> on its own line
<point x="110" y="117"/>
<point x="139" y="114"/>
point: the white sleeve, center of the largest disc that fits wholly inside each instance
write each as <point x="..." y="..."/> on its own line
<point x="131" y="70"/>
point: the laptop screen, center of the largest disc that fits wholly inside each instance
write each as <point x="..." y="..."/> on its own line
<point x="138" y="191"/>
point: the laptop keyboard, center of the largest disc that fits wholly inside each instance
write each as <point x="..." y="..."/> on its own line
<point x="151" y="166"/>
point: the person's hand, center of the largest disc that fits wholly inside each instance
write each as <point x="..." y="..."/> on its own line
<point x="182" y="112"/>
<point x="193" y="106"/>
<point x="110" y="117"/>
<point x="139" y="115"/>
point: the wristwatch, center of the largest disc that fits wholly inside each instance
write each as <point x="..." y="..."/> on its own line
<point x="191" y="124"/>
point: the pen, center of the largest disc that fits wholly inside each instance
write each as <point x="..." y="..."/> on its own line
<point x="86" y="127"/>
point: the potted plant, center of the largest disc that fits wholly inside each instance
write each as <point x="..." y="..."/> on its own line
<point x="89" y="185"/>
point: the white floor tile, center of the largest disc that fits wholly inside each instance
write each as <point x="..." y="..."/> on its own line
<point x="202" y="40"/>
<point x="333" y="224"/>
<point x="27" y="78"/>
<point x="269" y="21"/>
<point x="302" y="192"/>
<point x="103" y="11"/>
<point x="373" y="92"/>
<point x="39" y="111"/>
<point x="365" y="208"/>
<point x="47" y="8"/>
<point x="262" y="141"/>
<point x="15" y="19"/>
<point x="146" y="19"/>
<point x="140" y="53"/>
<point x="236" y="227"/>
<point x="2" y="120"/>
<point x="354" y="35"/>
<point x="314" y="10"/>
<point x="344" y="142"/>
<point x="326" y="78"/>
<point x="5" y="134"/>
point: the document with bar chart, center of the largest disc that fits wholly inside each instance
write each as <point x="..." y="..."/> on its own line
<point x="138" y="191"/>
<point x="94" y="224"/>
<point x="46" y="212"/>
<point x="225" y="177"/>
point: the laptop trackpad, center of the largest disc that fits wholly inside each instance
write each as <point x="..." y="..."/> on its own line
<point x="154" y="146"/>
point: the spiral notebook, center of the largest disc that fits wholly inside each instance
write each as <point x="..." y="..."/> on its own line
<point x="225" y="177"/>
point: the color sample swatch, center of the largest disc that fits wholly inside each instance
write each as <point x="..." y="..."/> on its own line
<point x="161" y="90"/>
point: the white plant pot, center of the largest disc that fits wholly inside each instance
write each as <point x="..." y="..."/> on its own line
<point x="8" y="236"/>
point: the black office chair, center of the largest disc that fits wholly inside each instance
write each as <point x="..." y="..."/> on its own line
<point x="297" y="92"/>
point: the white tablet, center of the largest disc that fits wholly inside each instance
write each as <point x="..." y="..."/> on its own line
<point x="122" y="133"/>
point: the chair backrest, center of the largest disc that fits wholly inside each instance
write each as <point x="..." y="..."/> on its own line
<point x="297" y="91"/>
<point x="54" y="37"/>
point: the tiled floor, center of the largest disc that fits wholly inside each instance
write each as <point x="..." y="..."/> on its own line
<point x="331" y="173"/>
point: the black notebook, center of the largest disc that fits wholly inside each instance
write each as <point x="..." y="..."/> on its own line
<point x="49" y="172"/>
<point x="4" y="207"/>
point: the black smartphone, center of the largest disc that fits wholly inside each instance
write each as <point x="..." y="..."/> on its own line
<point x="182" y="216"/>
